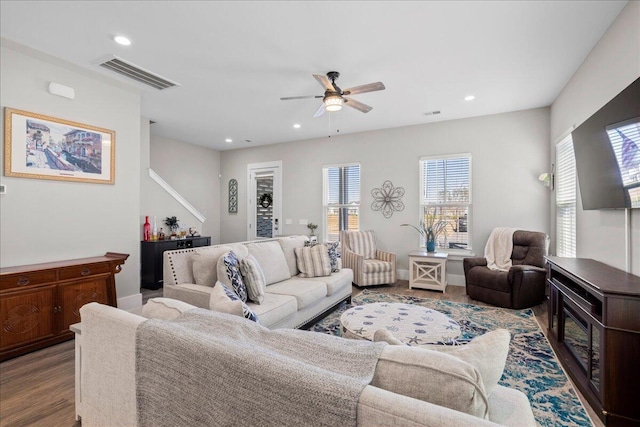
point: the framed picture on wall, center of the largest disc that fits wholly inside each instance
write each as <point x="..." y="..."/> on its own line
<point x="44" y="147"/>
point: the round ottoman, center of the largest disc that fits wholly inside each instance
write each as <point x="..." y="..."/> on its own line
<point x="412" y="324"/>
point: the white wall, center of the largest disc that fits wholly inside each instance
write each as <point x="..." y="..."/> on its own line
<point x="509" y="152"/>
<point x="192" y="171"/>
<point x="609" y="68"/>
<point x="43" y="220"/>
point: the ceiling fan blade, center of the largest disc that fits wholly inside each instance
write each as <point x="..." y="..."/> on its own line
<point x="320" y="111"/>
<point x="286" y="98"/>
<point x="357" y="105"/>
<point x="324" y="82"/>
<point x="371" y="87"/>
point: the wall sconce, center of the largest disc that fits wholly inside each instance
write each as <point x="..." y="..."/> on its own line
<point x="548" y="179"/>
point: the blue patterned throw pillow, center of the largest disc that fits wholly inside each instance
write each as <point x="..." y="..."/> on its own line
<point x="232" y="266"/>
<point x="246" y="311"/>
<point x="332" y="250"/>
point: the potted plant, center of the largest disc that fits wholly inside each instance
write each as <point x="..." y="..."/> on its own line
<point x="312" y="227"/>
<point x="172" y="223"/>
<point x="431" y="229"/>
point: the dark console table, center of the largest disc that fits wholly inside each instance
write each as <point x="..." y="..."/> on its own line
<point x="151" y="257"/>
<point x="594" y="327"/>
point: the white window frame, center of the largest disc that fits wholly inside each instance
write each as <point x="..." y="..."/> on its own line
<point x="325" y="197"/>
<point x="566" y="190"/>
<point x="422" y="205"/>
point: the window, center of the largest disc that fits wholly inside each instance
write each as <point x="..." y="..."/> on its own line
<point x="565" y="199"/>
<point x="445" y="194"/>
<point x="341" y="199"/>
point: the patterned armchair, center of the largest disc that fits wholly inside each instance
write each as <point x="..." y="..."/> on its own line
<point x="370" y="266"/>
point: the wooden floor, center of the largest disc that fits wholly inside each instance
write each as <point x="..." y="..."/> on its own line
<point x="37" y="389"/>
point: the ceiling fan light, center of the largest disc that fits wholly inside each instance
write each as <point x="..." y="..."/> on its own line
<point x="332" y="103"/>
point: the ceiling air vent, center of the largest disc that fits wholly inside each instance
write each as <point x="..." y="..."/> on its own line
<point x="136" y="73"/>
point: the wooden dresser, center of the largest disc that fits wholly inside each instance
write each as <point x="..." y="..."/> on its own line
<point x="38" y="302"/>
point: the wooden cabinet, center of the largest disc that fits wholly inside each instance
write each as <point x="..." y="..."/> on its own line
<point x="151" y="257"/>
<point x="594" y="327"/>
<point x="39" y="302"/>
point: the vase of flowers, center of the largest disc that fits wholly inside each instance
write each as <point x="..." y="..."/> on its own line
<point x="430" y="230"/>
<point x="312" y="228"/>
<point x="172" y="223"/>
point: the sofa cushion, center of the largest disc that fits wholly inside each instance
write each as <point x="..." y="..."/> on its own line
<point x="205" y="265"/>
<point x="271" y="260"/>
<point x="336" y="281"/>
<point x="305" y="291"/>
<point x="288" y="245"/>
<point x="421" y="374"/>
<point x="487" y="352"/>
<point x="229" y="274"/>
<point x="313" y="261"/>
<point x="363" y="243"/>
<point x="334" y="255"/>
<point x="165" y="308"/>
<point x="376" y="266"/>
<point x="274" y="308"/>
<point x="253" y="279"/>
<point x="225" y="300"/>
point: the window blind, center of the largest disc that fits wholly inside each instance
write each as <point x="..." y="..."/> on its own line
<point x="565" y="199"/>
<point x="445" y="191"/>
<point x="341" y="199"/>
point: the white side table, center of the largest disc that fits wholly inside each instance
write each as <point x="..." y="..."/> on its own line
<point x="428" y="270"/>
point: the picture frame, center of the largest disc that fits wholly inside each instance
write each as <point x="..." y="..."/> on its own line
<point x="43" y="147"/>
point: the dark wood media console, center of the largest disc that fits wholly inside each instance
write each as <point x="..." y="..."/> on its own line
<point x="594" y="327"/>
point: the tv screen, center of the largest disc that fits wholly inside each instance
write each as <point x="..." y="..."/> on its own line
<point x="607" y="151"/>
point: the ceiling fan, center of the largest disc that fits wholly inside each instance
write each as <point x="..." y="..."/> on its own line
<point x="334" y="97"/>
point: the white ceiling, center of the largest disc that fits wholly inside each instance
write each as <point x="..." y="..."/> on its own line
<point x="234" y="60"/>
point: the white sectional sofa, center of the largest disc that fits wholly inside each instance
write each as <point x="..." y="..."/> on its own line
<point x="106" y="377"/>
<point x="290" y="301"/>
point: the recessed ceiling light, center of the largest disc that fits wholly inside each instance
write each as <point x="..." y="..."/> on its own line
<point x="469" y="98"/>
<point x="122" y="40"/>
<point x="297" y="126"/>
<point x="228" y="140"/>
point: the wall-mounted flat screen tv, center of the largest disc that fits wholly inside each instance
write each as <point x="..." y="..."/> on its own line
<point x="607" y="151"/>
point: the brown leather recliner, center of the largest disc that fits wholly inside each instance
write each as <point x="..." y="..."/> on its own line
<point x="523" y="285"/>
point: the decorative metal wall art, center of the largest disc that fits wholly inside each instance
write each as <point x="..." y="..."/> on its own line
<point x="233" y="196"/>
<point x="387" y="199"/>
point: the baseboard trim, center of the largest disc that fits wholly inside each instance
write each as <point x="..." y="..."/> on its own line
<point x="452" y="279"/>
<point x="130" y="302"/>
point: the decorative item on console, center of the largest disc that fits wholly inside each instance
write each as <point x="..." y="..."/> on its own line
<point x="172" y="223"/>
<point x="193" y="232"/>
<point x="146" y="230"/>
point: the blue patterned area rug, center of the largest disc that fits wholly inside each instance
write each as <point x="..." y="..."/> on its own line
<point x="531" y="367"/>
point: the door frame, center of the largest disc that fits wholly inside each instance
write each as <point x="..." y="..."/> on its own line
<point x="275" y="168"/>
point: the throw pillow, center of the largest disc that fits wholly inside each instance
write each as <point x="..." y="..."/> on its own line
<point x="205" y="262"/>
<point x="271" y="259"/>
<point x="253" y="279"/>
<point x="313" y="261"/>
<point x="488" y="353"/>
<point x="229" y="274"/>
<point x="334" y="255"/>
<point x="288" y="245"/>
<point x="363" y="243"/>
<point x="225" y="300"/>
<point x="165" y="308"/>
<point x="432" y="377"/>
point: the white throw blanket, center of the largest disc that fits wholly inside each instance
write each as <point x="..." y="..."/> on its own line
<point x="499" y="248"/>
